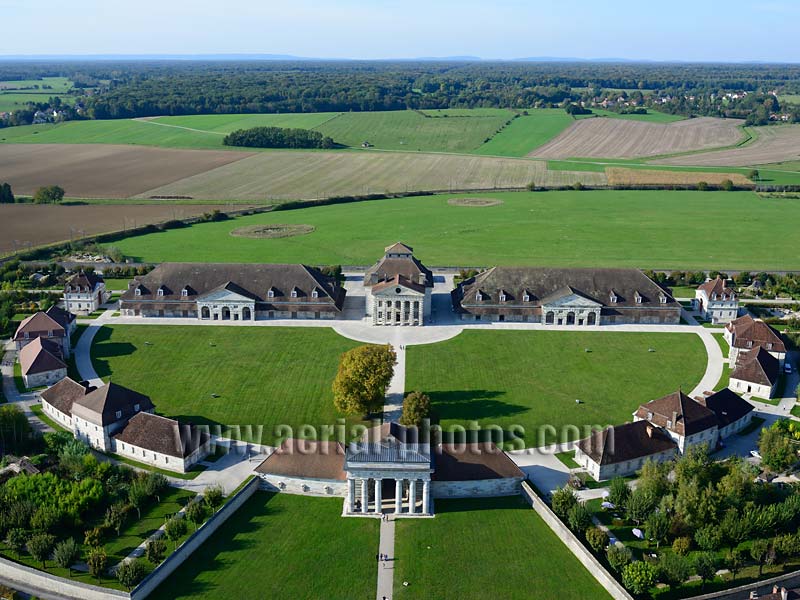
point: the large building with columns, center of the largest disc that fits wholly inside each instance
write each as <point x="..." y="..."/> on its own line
<point x="581" y="297"/>
<point x="389" y="471"/>
<point x="398" y="288"/>
<point x="233" y="292"/>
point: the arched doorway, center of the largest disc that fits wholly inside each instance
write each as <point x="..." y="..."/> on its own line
<point x="226" y="313"/>
<point x="570" y="318"/>
<point x="246" y="316"/>
<point x="205" y="313"/>
<point x="550" y="318"/>
<point x="592" y="319"/>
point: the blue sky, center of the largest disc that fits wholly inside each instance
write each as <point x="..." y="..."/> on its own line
<point x="704" y="30"/>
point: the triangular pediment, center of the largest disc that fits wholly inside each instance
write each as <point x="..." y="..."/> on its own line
<point x="391" y="290"/>
<point x="573" y="300"/>
<point x="223" y="295"/>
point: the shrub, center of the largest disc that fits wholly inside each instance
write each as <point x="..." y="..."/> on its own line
<point x="682" y="545"/>
<point x="673" y="569"/>
<point x="579" y="518"/>
<point x="66" y="554"/>
<point x="130" y="572"/>
<point x="214" y="496"/>
<point x="15" y="540"/>
<point x="40" y="546"/>
<point x="727" y="185"/>
<point x="618" y="556"/>
<point x="155" y="551"/>
<point x="97" y="562"/>
<point x="618" y="492"/>
<point x="638" y="577"/>
<point x="597" y="538"/>
<point x="416" y="408"/>
<point x="563" y="501"/>
<point x="93" y="537"/>
<point x="702" y="186"/>
<point x="708" y="538"/>
<point x="196" y="513"/>
<point x="175" y="528"/>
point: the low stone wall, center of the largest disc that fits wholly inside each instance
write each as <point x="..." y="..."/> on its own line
<point x="194" y="541"/>
<point x="484" y="488"/>
<point x="302" y="486"/>
<point x="789" y="581"/>
<point x="45" y="585"/>
<point x="586" y="558"/>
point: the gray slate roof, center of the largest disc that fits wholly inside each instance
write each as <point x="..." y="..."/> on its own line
<point x="101" y="405"/>
<point x="622" y="443"/>
<point x="63" y="394"/>
<point x="543" y="284"/>
<point x="160" y="434"/>
<point x="398" y="260"/>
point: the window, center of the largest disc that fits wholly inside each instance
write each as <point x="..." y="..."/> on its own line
<point x="638" y="298"/>
<point x="271" y="294"/>
<point x="184" y="293"/>
<point x="138" y="292"/>
<point x="294" y="293"/>
<point x="502" y="297"/>
<point x="663" y="299"/>
<point x="479" y="297"/>
<point x="769" y="346"/>
<point x="136" y="407"/>
<point x="160" y="292"/>
<point x="526" y="297"/>
<point x="119" y="414"/>
<point x="315" y="294"/>
<point x="613" y="298"/>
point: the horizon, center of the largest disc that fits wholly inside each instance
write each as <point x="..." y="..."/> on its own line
<point x="387" y="30"/>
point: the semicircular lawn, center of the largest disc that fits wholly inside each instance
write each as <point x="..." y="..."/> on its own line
<point x="228" y="376"/>
<point x="602" y="228"/>
<point x="531" y="379"/>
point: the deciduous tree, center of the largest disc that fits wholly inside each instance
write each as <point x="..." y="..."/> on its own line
<point x="130" y="572"/>
<point x="364" y="373"/>
<point x="66" y="554"/>
<point x="416" y="408"/>
<point x="40" y="547"/>
<point x="638" y="577"/>
<point x="155" y="550"/>
<point x="97" y="562"/>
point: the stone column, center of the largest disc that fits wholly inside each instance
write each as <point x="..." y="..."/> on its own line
<point x="351" y="495"/>
<point x="364" y="495"/>
<point x="378" y="495"/>
<point x="426" y="497"/>
<point x="412" y="496"/>
<point x="398" y="496"/>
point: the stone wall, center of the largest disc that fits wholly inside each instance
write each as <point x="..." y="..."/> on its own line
<point x="302" y="486"/>
<point x="586" y="558"/>
<point x="43" y="585"/>
<point x="44" y="378"/>
<point x="484" y="488"/>
<point x="788" y="580"/>
<point x="194" y="541"/>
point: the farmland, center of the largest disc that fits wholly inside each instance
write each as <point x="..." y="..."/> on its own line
<point x="27" y="225"/>
<point x="103" y="171"/>
<point x="293" y="175"/>
<point x="646" y="229"/>
<point x="777" y="143"/>
<point x="16" y="94"/>
<point x="530" y="379"/>
<point x="621" y="138"/>
<point x="527" y="132"/>
<point x="629" y="177"/>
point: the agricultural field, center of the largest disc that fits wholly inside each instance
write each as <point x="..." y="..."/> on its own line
<point x="297" y="175"/>
<point x="527" y="132"/>
<point x="624" y="138"/>
<point x="279" y="376"/>
<point x="16" y="94"/>
<point x="789" y="98"/>
<point x="625" y="176"/>
<point x="652" y="116"/>
<point x="531" y="379"/>
<point x="91" y="171"/>
<point x="282" y="546"/>
<point x="645" y="229"/>
<point x="772" y="144"/>
<point x="30" y="225"/>
<point x="518" y="553"/>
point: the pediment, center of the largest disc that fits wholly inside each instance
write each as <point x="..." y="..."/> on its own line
<point x="223" y="296"/>
<point x="392" y="291"/>
<point x="574" y="301"/>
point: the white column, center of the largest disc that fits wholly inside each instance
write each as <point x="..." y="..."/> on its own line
<point x="426" y="497"/>
<point x="378" y="494"/>
<point x="364" y="495"/>
<point x="398" y="496"/>
<point x="351" y="495"/>
<point x="412" y="496"/>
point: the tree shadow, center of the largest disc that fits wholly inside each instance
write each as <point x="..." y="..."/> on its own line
<point x="472" y="405"/>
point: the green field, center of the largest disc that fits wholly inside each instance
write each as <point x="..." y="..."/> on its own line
<point x="16" y="94"/>
<point x="532" y="378"/>
<point x="645" y="229"/>
<point x="790" y="98"/>
<point x="489" y="548"/>
<point x="282" y="546"/>
<point x="226" y="123"/>
<point x="266" y="376"/>
<point x="527" y="132"/>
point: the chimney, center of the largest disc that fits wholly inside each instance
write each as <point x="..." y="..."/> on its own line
<point x="649" y="430"/>
<point x="784" y="594"/>
<point x="754" y="595"/>
<point x="674" y="418"/>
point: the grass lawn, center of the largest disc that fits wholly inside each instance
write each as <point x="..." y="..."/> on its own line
<point x="568" y="459"/>
<point x="116" y="285"/>
<point x="796" y="410"/>
<point x="193" y="472"/>
<point x="37" y="410"/>
<point x="652" y="116"/>
<point x="680" y="291"/>
<point x="282" y="546"/>
<point x="266" y="376"/>
<point x="527" y="132"/>
<point x="498" y="548"/>
<point x="532" y="378"/>
<point x="645" y="229"/>
<point x="726" y="368"/>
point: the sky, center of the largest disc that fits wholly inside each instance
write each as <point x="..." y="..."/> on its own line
<point x="698" y="30"/>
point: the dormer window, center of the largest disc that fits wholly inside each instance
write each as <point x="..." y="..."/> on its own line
<point x="749" y="343"/>
<point x="294" y="293"/>
<point x="160" y="292"/>
<point x="315" y="293"/>
<point x="119" y="414"/>
<point x="663" y="299"/>
<point x="271" y="293"/>
<point x="669" y="424"/>
<point x="479" y="297"/>
<point x="769" y="346"/>
<point x="714" y="296"/>
<point x="185" y="293"/>
<point x="526" y="297"/>
<point x="136" y="408"/>
<point x="613" y="298"/>
<point x="502" y="296"/>
<point x="138" y="292"/>
<point x="638" y="297"/>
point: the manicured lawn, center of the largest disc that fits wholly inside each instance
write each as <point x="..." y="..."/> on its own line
<point x="116" y="285"/>
<point x="282" y="546"/>
<point x="488" y="548"/>
<point x="527" y="132"/>
<point x="680" y="291"/>
<point x="796" y="410"/>
<point x="531" y="379"/>
<point x="37" y="410"/>
<point x="568" y="459"/>
<point x="726" y="368"/>
<point x="247" y="376"/>
<point x="644" y="229"/>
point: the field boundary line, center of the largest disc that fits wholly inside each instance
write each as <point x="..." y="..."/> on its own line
<point x="179" y="127"/>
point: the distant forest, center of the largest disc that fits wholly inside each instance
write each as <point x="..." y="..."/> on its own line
<point x="149" y="88"/>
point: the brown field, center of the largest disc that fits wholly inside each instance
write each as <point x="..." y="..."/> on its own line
<point x="775" y="143"/>
<point x="103" y="171"/>
<point x="620" y="138"/>
<point x="622" y="176"/>
<point x="23" y="225"/>
<point x="294" y="175"/>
